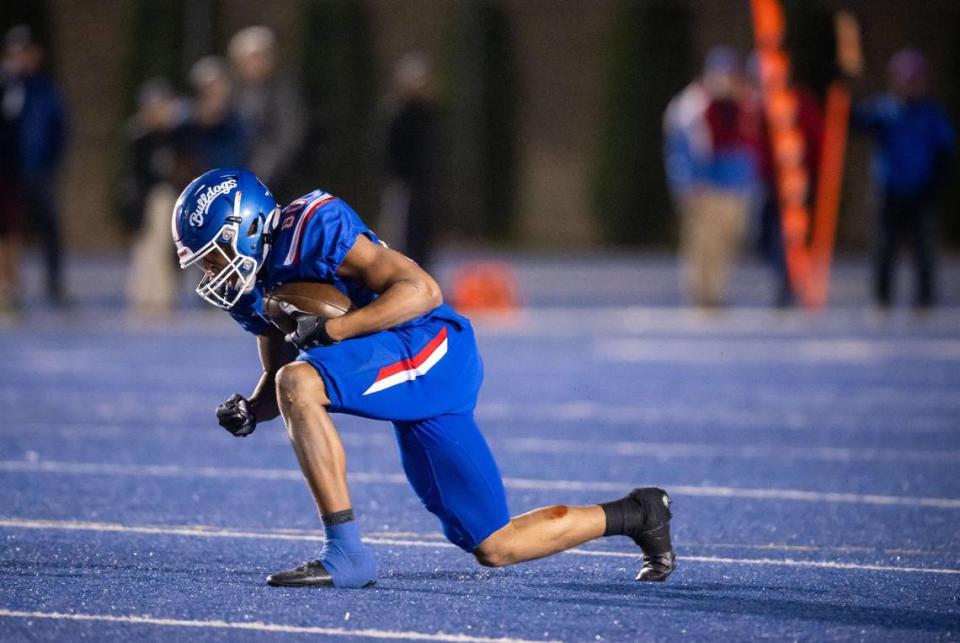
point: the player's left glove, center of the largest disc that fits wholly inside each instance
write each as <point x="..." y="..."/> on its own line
<point x="236" y="417"/>
<point x="311" y="332"/>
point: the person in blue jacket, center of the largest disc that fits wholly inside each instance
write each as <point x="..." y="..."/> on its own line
<point x="215" y="134"/>
<point x="42" y="137"/>
<point x="401" y="355"/>
<point x="913" y="148"/>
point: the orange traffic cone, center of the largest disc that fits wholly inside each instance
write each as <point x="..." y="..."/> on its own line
<point x="486" y="286"/>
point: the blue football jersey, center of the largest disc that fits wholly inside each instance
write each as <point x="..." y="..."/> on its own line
<point x="311" y="239"/>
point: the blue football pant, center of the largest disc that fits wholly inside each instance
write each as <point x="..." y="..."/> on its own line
<point x="424" y="378"/>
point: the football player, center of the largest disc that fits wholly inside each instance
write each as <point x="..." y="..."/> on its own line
<point x="401" y="355"/>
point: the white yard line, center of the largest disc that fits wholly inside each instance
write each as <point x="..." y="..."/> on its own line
<point x="784" y="417"/>
<point x="388" y="537"/>
<point x="665" y="450"/>
<point x="879" y="411"/>
<point x="215" y="532"/>
<point x="562" y="322"/>
<point x="560" y="446"/>
<point x="256" y="626"/>
<point x="706" y="491"/>
<point x="739" y="492"/>
<point x="785" y="562"/>
<point x="770" y="350"/>
<point x="578" y="321"/>
<point x="841" y="549"/>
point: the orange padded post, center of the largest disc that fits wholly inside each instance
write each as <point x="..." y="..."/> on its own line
<point x="780" y="107"/>
<point x="808" y="239"/>
<point x="829" y="187"/>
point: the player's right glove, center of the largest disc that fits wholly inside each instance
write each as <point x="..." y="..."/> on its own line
<point x="236" y="417"/>
<point x="311" y="332"/>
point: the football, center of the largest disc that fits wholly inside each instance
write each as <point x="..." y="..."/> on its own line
<point x="310" y="297"/>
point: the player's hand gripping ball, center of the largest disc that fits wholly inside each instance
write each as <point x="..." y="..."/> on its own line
<point x="236" y="417"/>
<point x="311" y="332"/>
<point x="301" y="310"/>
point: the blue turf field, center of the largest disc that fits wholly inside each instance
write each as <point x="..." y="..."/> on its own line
<point x="813" y="464"/>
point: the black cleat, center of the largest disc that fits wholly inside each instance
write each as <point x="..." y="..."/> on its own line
<point x="659" y="560"/>
<point x="656" y="568"/>
<point x="311" y="574"/>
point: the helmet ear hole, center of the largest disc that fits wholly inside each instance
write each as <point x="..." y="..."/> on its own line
<point x="254" y="227"/>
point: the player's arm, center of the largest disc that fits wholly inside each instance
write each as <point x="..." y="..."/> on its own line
<point x="240" y="415"/>
<point x="274" y="354"/>
<point x="406" y="290"/>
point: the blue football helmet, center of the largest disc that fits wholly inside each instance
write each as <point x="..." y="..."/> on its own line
<point x="226" y="216"/>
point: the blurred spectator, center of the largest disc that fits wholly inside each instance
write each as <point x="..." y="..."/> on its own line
<point x="808" y="118"/>
<point x="914" y="143"/>
<point x="710" y="133"/>
<point x="36" y="105"/>
<point x="11" y="204"/>
<point x="155" y="170"/>
<point x="215" y="132"/>
<point x="269" y="103"/>
<point x="413" y="158"/>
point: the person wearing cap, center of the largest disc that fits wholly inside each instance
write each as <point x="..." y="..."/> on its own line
<point x="913" y="148"/>
<point x="37" y="106"/>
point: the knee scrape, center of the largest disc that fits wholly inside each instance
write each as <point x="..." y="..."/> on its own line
<point x="556" y="512"/>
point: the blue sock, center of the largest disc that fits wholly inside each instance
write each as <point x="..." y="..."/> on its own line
<point x="347" y="559"/>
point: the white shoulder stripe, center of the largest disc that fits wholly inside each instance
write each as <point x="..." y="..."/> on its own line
<point x="298" y="230"/>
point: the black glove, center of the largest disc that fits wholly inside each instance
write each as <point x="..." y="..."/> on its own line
<point x="311" y="332"/>
<point x="236" y="417"/>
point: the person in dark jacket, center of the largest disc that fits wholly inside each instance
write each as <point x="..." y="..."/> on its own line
<point x="42" y="136"/>
<point x="152" y="149"/>
<point x="914" y="145"/>
<point x="805" y="113"/>
<point x="413" y="159"/>
<point x="156" y="167"/>
<point x="215" y="132"/>
<point x="11" y="202"/>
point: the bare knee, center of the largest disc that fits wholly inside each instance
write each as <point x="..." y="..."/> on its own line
<point x="299" y="385"/>
<point x="496" y="550"/>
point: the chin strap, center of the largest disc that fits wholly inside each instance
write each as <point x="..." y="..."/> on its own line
<point x="269" y="232"/>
